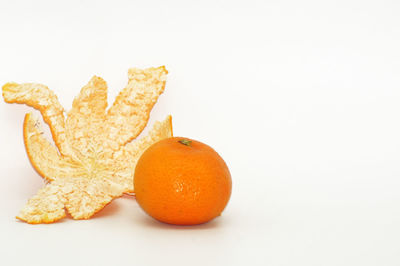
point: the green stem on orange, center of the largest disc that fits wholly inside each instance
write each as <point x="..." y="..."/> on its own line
<point x="185" y="142"/>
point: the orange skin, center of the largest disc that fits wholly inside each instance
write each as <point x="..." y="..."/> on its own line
<point x="183" y="184"/>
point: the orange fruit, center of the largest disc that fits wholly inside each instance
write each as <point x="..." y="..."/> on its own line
<point x="182" y="181"/>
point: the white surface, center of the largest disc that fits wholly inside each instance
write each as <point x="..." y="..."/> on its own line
<point x="301" y="98"/>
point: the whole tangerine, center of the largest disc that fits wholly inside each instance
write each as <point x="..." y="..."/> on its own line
<point x="182" y="181"/>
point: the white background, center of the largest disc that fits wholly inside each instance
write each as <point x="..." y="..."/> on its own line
<point x="301" y="98"/>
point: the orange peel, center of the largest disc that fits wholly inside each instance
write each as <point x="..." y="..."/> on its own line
<point x="94" y="156"/>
